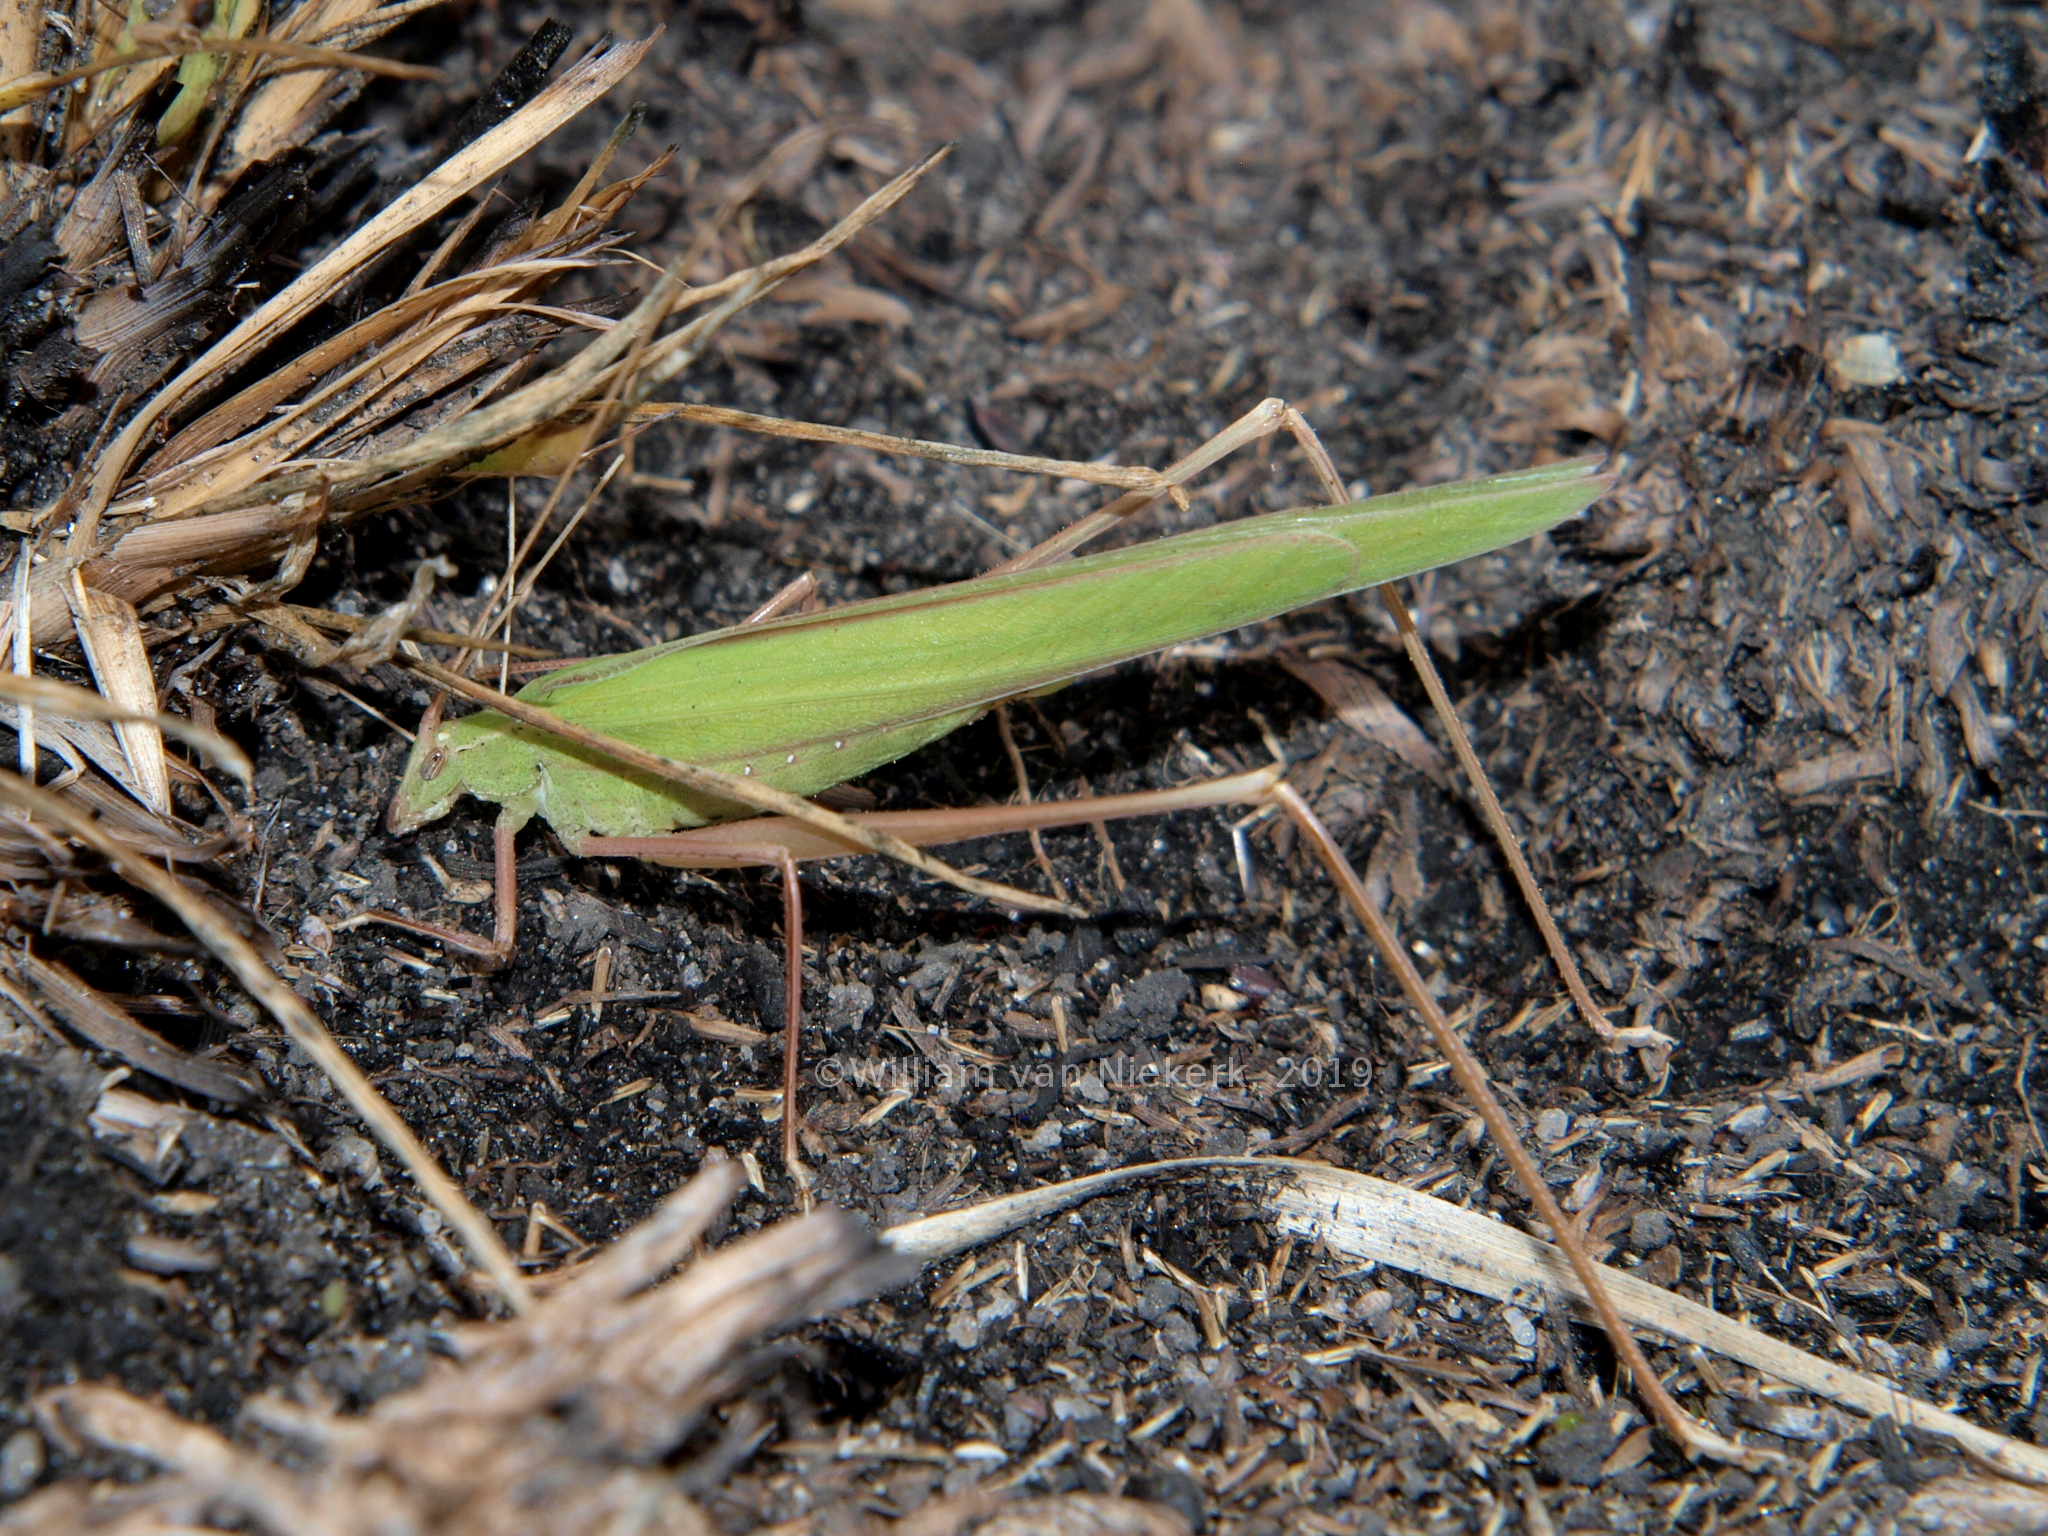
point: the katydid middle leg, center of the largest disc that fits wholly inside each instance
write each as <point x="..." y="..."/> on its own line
<point x="779" y="843"/>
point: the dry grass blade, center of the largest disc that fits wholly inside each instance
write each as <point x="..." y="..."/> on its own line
<point x="544" y="453"/>
<point x="1262" y="420"/>
<point x="1358" y="701"/>
<point x="99" y="1019"/>
<point x="66" y="702"/>
<point x="283" y="108"/>
<point x="580" y="86"/>
<point x="111" y="635"/>
<point x="299" y="1022"/>
<point x="22" y="89"/>
<point x="587" y="374"/>
<point x="1365" y="1218"/>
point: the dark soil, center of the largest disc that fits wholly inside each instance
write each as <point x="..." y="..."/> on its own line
<point x="1771" y="721"/>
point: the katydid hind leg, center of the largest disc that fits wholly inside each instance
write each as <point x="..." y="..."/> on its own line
<point x="1496" y="819"/>
<point x="1465" y="1066"/>
<point x="1695" y="1438"/>
<point x="763" y="840"/>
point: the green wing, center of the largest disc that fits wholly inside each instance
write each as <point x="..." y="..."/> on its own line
<point x="809" y="702"/>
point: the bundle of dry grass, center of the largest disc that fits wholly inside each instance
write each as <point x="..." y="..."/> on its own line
<point x="559" y="1421"/>
<point x="165" y="461"/>
<point x="175" y="451"/>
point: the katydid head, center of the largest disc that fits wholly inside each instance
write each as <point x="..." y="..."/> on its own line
<point x="437" y="773"/>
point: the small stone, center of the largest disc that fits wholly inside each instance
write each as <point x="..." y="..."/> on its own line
<point x="1203" y="1398"/>
<point x="1022" y="1414"/>
<point x="1866" y="360"/>
<point x="1173" y="1488"/>
<point x="355" y="1156"/>
<point x="1521" y="1327"/>
<point x="1149" y="1006"/>
<point x="1649" y="1231"/>
<point x="1968" y="1341"/>
<point x="1046" y="1138"/>
<point x="1157" y="1297"/>
<point x="1089" y="1422"/>
<point x="1178" y="1334"/>
<point x="1553" y="1125"/>
<point x="848" y="1007"/>
<point x="1749" y="1120"/>
<point x="22" y="1460"/>
<point x="885" y="1173"/>
<point x="1574" y="1448"/>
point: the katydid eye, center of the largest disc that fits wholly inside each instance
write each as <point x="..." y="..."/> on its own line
<point x="430" y="767"/>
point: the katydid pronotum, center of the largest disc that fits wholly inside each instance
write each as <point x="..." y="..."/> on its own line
<point x="671" y="754"/>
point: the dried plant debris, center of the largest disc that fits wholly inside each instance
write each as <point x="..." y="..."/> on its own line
<point x="558" y="1422"/>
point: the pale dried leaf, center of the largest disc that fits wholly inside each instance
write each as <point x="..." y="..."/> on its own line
<point x="289" y="107"/>
<point x="1948" y="643"/>
<point x="1362" y="1218"/>
<point x="1079" y="314"/>
<point x="1818" y="774"/>
<point x="111" y="633"/>
<point x="853" y="304"/>
<point x="1363" y="705"/>
<point x="1083" y="1514"/>
<point x="1969" y="1504"/>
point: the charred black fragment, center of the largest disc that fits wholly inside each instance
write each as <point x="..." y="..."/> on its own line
<point x="1999" y="288"/>
<point x="140" y="336"/>
<point x="40" y="366"/>
<point x="516" y="84"/>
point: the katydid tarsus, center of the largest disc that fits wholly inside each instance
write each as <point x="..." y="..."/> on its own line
<point x="670" y="754"/>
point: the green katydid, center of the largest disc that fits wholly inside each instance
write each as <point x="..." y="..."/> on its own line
<point x="668" y="753"/>
<point x="800" y="704"/>
<point x="677" y="747"/>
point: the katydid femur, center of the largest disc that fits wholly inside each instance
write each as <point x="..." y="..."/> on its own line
<point x="671" y="753"/>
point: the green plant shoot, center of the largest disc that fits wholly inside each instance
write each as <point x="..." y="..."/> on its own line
<point x="801" y="704"/>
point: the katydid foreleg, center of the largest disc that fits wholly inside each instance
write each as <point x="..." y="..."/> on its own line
<point x="487" y="954"/>
<point x="495" y="953"/>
